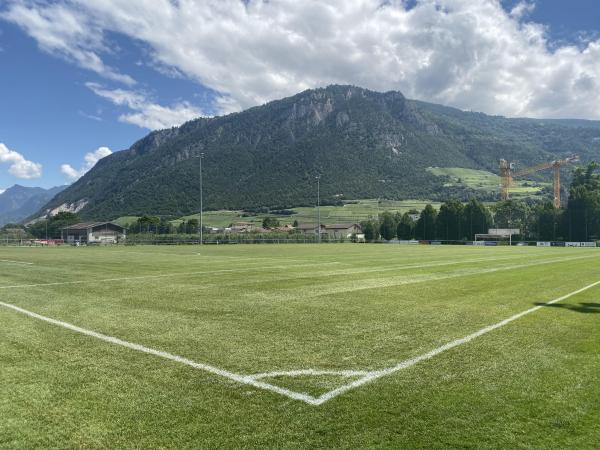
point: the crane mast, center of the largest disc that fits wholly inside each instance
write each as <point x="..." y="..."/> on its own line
<point x="507" y="175"/>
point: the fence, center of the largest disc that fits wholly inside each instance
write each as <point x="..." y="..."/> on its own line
<point x="6" y="242"/>
<point x="289" y="239"/>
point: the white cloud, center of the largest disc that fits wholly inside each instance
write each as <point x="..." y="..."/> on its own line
<point x="2" y="191"/>
<point x="90" y="160"/>
<point x="146" y="113"/>
<point x="19" y="166"/>
<point x="472" y="54"/>
<point x="94" y="117"/>
<point x="64" y="31"/>
<point x="521" y="9"/>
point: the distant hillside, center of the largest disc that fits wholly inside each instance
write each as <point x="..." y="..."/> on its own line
<point x="364" y="144"/>
<point x="19" y="202"/>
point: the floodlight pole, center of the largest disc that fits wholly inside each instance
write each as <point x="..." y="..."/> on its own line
<point x="318" y="177"/>
<point x="201" y="204"/>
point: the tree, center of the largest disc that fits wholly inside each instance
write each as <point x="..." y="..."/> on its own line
<point x="270" y="222"/>
<point x="192" y="226"/>
<point x="370" y="230"/>
<point x="512" y="214"/>
<point x="449" y="223"/>
<point x="13" y="231"/>
<point x="146" y="222"/>
<point x="165" y="226"/>
<point x="406" y="227"/>
<point x="387" y="227"/>
<point x="581" y="218"/>
<point x="545" y="221"/>
<point x="477" y="218"/>
<point x="52" y="227"/>
<point x="13" y="226"/>
<point x="426" y="224"/>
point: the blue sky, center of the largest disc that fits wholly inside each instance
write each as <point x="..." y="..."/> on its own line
<point x="77" y="76"/>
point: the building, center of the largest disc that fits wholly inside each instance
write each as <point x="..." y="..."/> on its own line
<point x="310" y="228"/>
<point x="284" y="229"/>
<point x="243" y="227"/>
<point x="94" y="233"/>
<point x="343" y="230"/>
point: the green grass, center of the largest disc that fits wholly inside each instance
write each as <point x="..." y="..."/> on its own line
<point x="126" y="220"/>
<point x="351" y="211"/>
<point x="534" y="383"/>
<point x="483" y="180"/>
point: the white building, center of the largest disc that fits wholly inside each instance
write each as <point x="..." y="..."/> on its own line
<point x="94" y="233"/>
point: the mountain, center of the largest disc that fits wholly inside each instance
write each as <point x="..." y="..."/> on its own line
<point x="19" y="202"/>
<point x="364" y="144"/>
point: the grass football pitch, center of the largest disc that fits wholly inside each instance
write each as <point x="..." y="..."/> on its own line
<point x="299" y="346"/>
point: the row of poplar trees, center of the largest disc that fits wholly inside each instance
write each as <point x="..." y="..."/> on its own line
<point x="454" y="221"/>
<point x="578" y="221"/>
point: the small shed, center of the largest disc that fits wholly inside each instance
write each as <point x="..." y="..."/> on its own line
<point x="94" y="233"/>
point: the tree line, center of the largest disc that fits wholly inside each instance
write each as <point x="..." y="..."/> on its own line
<point x="455" y="220"/>
<point x="578" y="221"/>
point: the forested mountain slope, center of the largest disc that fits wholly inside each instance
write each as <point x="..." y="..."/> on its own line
<point x="364" y="144"/>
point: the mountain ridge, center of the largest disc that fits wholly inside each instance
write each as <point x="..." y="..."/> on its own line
<point x="363" y="143"/>
<point x="18" y="202"/>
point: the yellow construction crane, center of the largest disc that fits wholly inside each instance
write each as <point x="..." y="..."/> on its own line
<point x="507" y="175"/>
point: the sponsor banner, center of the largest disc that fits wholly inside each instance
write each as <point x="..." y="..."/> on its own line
<point x="478" y="242"/>
<point x="436" y="242"/>
<point x="506" y="232"/>
<point x="404" y="242"/>
<point x="491" y="243"/>
<point x="557" y="244"/>
<point x="543" y="244"/>
<point x="572" y="244"/>
<point x="588" y="244"/>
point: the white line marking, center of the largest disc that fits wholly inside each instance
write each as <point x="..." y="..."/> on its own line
<point x="309" y="372"/>
<point x="10" y="261"/>
<point x="253" y="380"/>
<point x="196" y="365"/>
<point x="374" y="375"/>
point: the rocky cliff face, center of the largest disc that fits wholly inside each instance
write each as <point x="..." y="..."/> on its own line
<point x="363" y="143"/>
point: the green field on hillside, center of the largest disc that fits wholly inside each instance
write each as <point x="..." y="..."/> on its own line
<point x="486" y="181"/>
<point x="363" y="209"/>
<point x="351" y="211"/>
<point x="299" y="346"/>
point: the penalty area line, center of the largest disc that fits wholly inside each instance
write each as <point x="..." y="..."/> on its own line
<point x="376" y="374"/>
<point x="243" y="379"/>
<point x="255" y="380"/>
